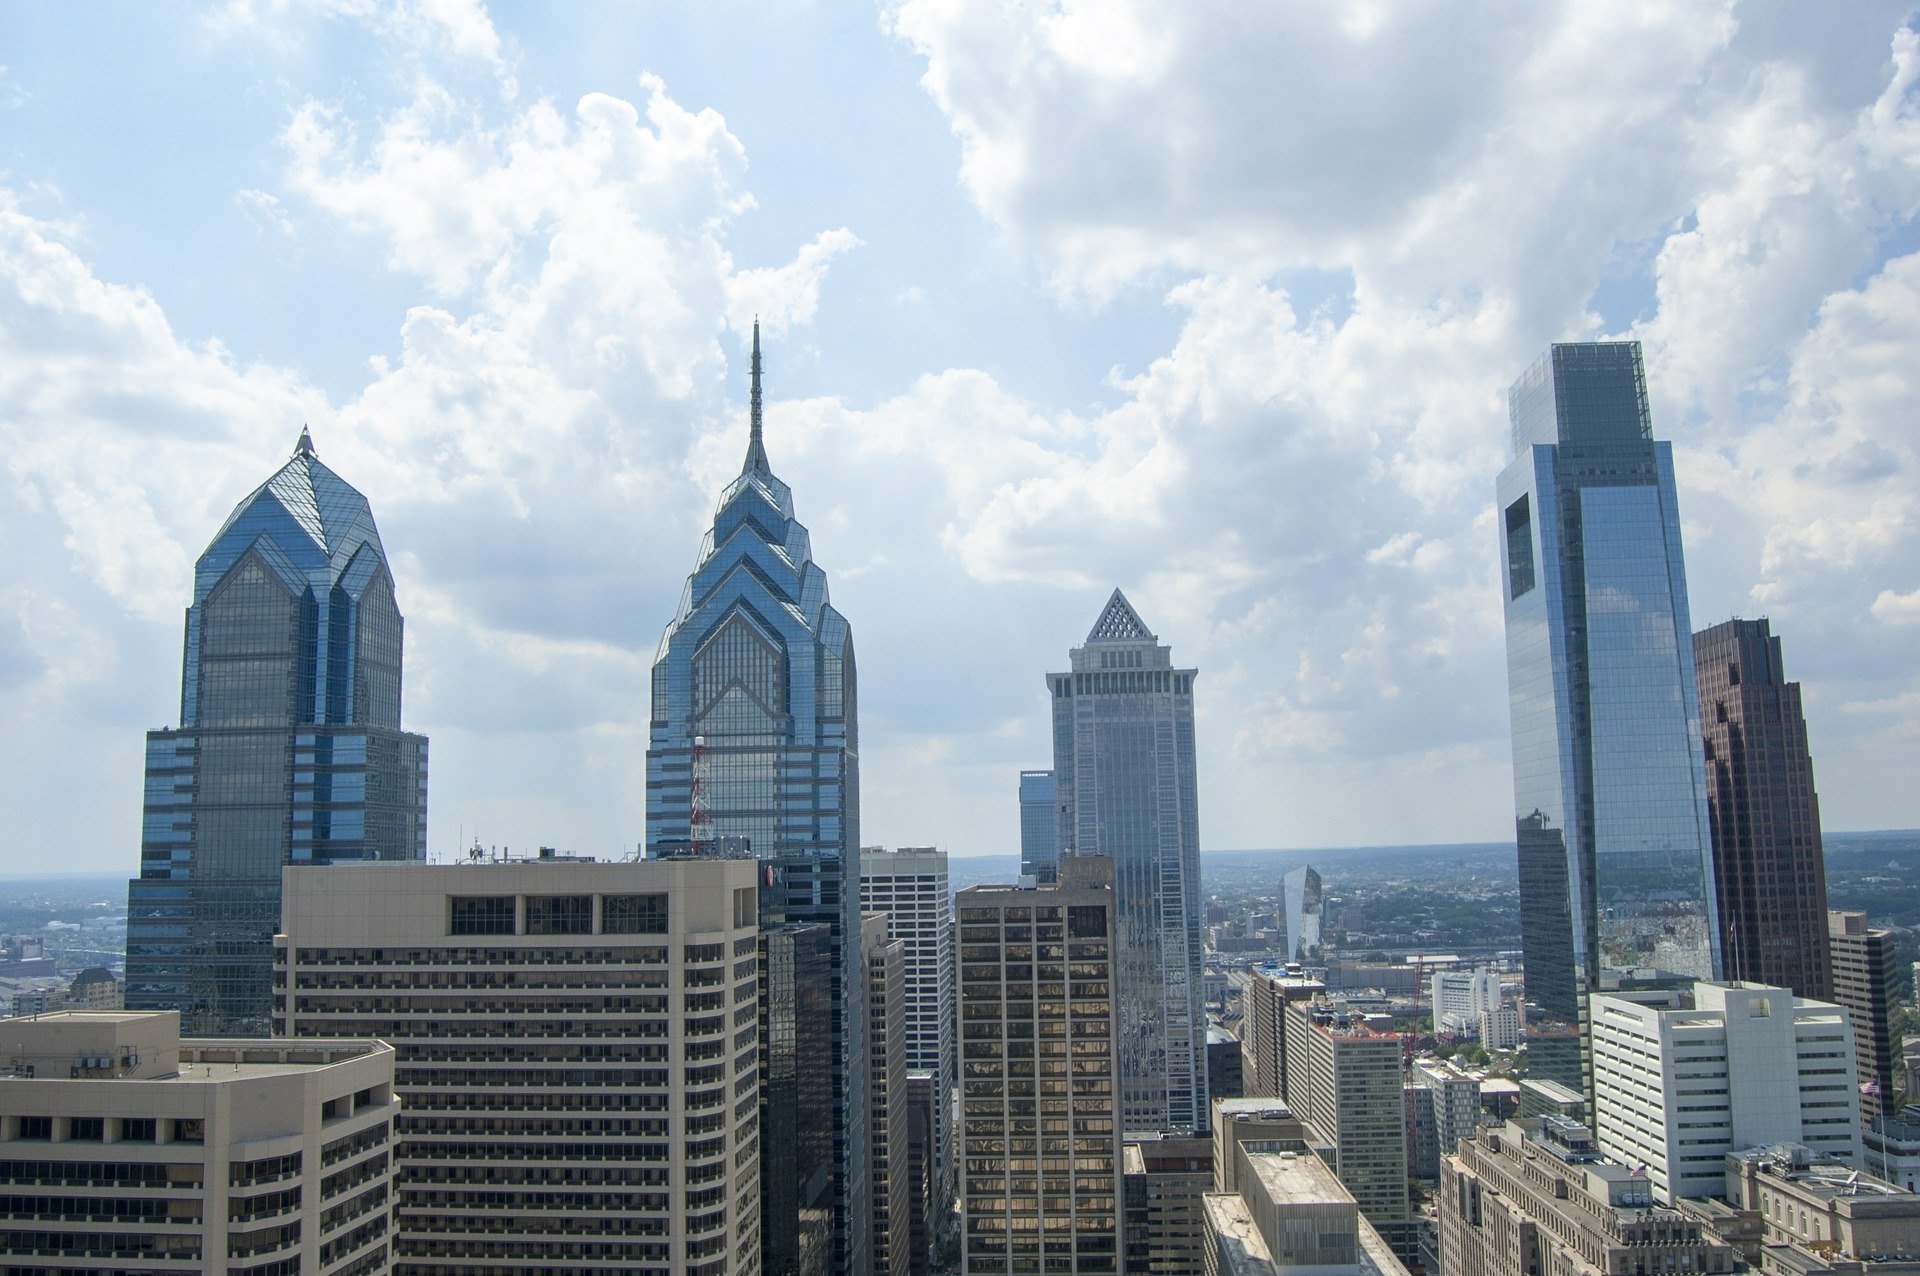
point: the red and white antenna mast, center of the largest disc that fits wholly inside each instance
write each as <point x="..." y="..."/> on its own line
<point x="700" y="814"/>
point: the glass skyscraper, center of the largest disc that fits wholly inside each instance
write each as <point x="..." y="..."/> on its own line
<point x="1616" y="871"/>
<point x="1039" y="826"/>
<point x="1123" y="765"/>
<point x="754" y="750"/>
<point x="289" y="748"/>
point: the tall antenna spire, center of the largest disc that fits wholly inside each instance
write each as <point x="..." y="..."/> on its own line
<point x="756" y="450"/>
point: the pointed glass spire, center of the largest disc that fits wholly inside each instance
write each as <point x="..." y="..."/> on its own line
<point x="756" y="449"/>
<point x="1119" y="622"/>
<point x="305" y="446"/>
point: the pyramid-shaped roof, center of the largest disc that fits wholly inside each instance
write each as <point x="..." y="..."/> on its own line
<point x="309" y="513"/>
<point x="1119" y="622"/>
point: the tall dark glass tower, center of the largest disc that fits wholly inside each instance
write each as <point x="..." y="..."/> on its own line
<point x="754" y="749"/>
<point x="1767" y="858"/>
<point x="1123" y="765"/>
<point x="1616" y="873"/>
<point x="289" y="749"/>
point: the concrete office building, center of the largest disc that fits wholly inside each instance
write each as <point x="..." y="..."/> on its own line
<point x="1290" y="1214"/>
<point x="1040" y="1130"/>
<point x="1866" y="980"/>
<point x="1263" y="1060"/>
<point x="1124" y="770"/>
<point x="289" y="748"/>
<point x="1891" y="1148"/>
<point x="1500" y="1026"/>
<point x="1456" y="1101"/>
<point x="1163" y="1179"/>
<point x="1747" y="1066"/>
<point x="578" y="1053"/>
<point x="892" y="1200"/>
<point x="1460" y="996"/>
<point x="1237" y="1121"/>
<point x="1344" y="1081"/>
<point x="1768" y="865"/>
<point x="1538" y="1196"/>
<point x="1039" y="826"/>
<point x="1792" y="1212"/>
<point x="796" y="1100"/>
<point x="912" y="887"/>
<point x="126" y="1149"/>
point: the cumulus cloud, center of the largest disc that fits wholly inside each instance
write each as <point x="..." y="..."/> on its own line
<point x="1322" y="481"/>
<point x="1295" y="494"/>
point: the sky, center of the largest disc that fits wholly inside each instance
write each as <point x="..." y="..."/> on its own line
<point x="1213" y="301"/>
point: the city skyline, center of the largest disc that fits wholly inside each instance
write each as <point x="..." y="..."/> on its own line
<point x="1262" y="403"/>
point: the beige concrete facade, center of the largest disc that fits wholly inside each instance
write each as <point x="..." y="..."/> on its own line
<point x="578" y="1048"/>
<point x="1344" y="1079"/>
<point x="1535" y="1197"/>
<point x="1040" y="1135"/>
<point x="1291" y="1215"/>
<point x="125" y="1149"/>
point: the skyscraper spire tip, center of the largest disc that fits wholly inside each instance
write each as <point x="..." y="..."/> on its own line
<point x="756" y="448"/>
<point x="305" y="445"/>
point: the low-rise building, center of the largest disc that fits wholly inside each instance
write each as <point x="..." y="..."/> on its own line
<point x="1536" y="1195"/>
<point x="127" y="1149"/>
<point x="1804" y="1214"/>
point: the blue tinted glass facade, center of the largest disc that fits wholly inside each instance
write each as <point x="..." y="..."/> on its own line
<point x="1616" y="871"/>
<point x="1123" y="767"/>
<point x="754" y="750"/>
<point x="289" y="748"/>
<point x="1039" y="826"/>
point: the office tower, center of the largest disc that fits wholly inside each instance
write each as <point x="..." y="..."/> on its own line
<point x="1748" y="1065"/>
<point x="1866" y="977"/>
<point x="1767" y="863"/>
<point x="887" y="1122"/>
<point x="1302" y="909"/>
<point x="1790" y="1209"/>
<point x="754" y="748"/>
<point x="912" y="888"/>
<point x="1040" y="1129"/>
<point x="127" y="1149"/>
<point x="1539" y="1195"/>
<point x="1223" y="1065"/>
<point x="1124" y="772"/>
<point x="1456" y="1101"/>
<point x="1237" y="1121"/>
<point x="1289" y="1214"/>
<point x="925" y="1223"/>
<point x="1423" y="1143"/>
<point x="1263" y="1061"/>
<point x="1162" y="1179"/>
<point x="1616" y="874"/>
<point x="289" y="748"/>
<point x="796" y="1100"/>
<point x="578" y="1059"/>
<point x="1039" y="826"/>
<point x="1460" y="996"/>
<point x="1499" y="1026"/>
<point x="1344" y="1080"/>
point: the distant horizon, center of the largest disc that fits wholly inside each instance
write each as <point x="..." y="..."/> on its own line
<point x="106" y="875"/>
